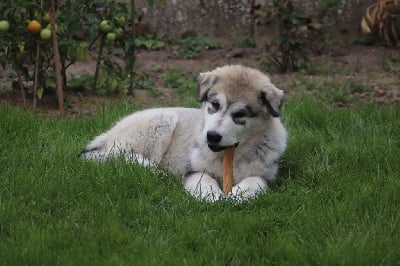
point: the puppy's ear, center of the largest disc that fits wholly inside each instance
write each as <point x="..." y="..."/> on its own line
<point x="271" y="98"/>
<point x="205" y="81"/>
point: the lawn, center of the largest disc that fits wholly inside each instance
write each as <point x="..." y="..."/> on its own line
<point x="337" y="201"/>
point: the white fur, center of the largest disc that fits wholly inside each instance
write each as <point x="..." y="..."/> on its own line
<point x="203" y="187"/>
<point x="176" y="138"/>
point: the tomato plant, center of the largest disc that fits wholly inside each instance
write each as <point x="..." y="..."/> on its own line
<point x="25" y="40"/>
<point x="26" y="45"/>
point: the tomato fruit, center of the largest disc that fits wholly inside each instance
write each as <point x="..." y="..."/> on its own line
<point x="4" y="25"/>
<point x="45" y="34"/>
<point x="49" y="27"/>
<point x="119" y="32"/>
<point x="46" y="17"/>
<point x="34" y="27"/>
<point x="106" y="26"/>
<point x="111" y="36"/>
<point x="121" y="21"/>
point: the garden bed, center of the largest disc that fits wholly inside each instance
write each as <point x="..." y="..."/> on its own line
<point x="342" y="76"/>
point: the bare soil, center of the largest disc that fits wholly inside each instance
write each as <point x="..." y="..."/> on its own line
<point x="344" y="76"/>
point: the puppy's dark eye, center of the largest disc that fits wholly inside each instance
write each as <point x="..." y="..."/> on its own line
<point x="215" y="105"/>
<point x="239" y="114"/>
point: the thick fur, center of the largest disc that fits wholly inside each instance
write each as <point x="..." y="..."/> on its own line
<point x="240" y="106"/>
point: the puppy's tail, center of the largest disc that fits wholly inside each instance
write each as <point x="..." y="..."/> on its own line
<point x="94" y="151"/>
<point x="84" y="154"/>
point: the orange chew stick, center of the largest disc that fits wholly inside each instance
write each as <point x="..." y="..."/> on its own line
<point x="227" y="181"/>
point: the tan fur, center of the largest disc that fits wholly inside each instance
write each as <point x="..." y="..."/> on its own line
<point x="240" y="83"/>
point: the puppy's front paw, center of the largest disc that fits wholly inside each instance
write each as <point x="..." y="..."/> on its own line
<point x="203" y="187"/>
<point x="248" y="188"/>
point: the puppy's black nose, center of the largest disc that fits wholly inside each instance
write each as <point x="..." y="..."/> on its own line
<point x="213" y="137"/>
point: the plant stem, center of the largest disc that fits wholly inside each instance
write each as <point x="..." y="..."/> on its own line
<point x="252" y="20"/>
<point x="96" y="73"/>
<point x="132" y="48"/>
<point x="101" y="48"/>
<point x="35" y="82"/>
<point x="57" y="59"/>
<point x="21" y="85"/>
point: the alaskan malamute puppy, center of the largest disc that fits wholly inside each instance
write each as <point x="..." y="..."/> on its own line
<point x="240" y="106"/>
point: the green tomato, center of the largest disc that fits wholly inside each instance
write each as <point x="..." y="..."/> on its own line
<point x="46" y="17"/>
<point x="119" y="32"/>
<point x="49" y="27"/>
<point x="111" y="36"/>
<point x="121" y="21"/>
<point x="106" y="26"/>
<point x="4" y="25"/>
<point x="45" y="34"/>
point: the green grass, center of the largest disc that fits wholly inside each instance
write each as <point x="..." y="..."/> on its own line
<point x="337" y="202"/>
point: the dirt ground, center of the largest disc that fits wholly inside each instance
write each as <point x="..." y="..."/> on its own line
<point x="344" y="75"/>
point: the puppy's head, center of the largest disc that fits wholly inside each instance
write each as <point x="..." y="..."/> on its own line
<point x="237" y="102"/>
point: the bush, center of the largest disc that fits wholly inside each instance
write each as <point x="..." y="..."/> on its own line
<point x="297" y="34"/>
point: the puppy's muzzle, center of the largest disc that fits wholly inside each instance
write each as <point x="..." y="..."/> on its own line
<point x="213" y="137"/>
<point x="213" y="140"/>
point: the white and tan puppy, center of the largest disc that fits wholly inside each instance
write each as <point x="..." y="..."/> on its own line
<point x="240" y="106"/>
